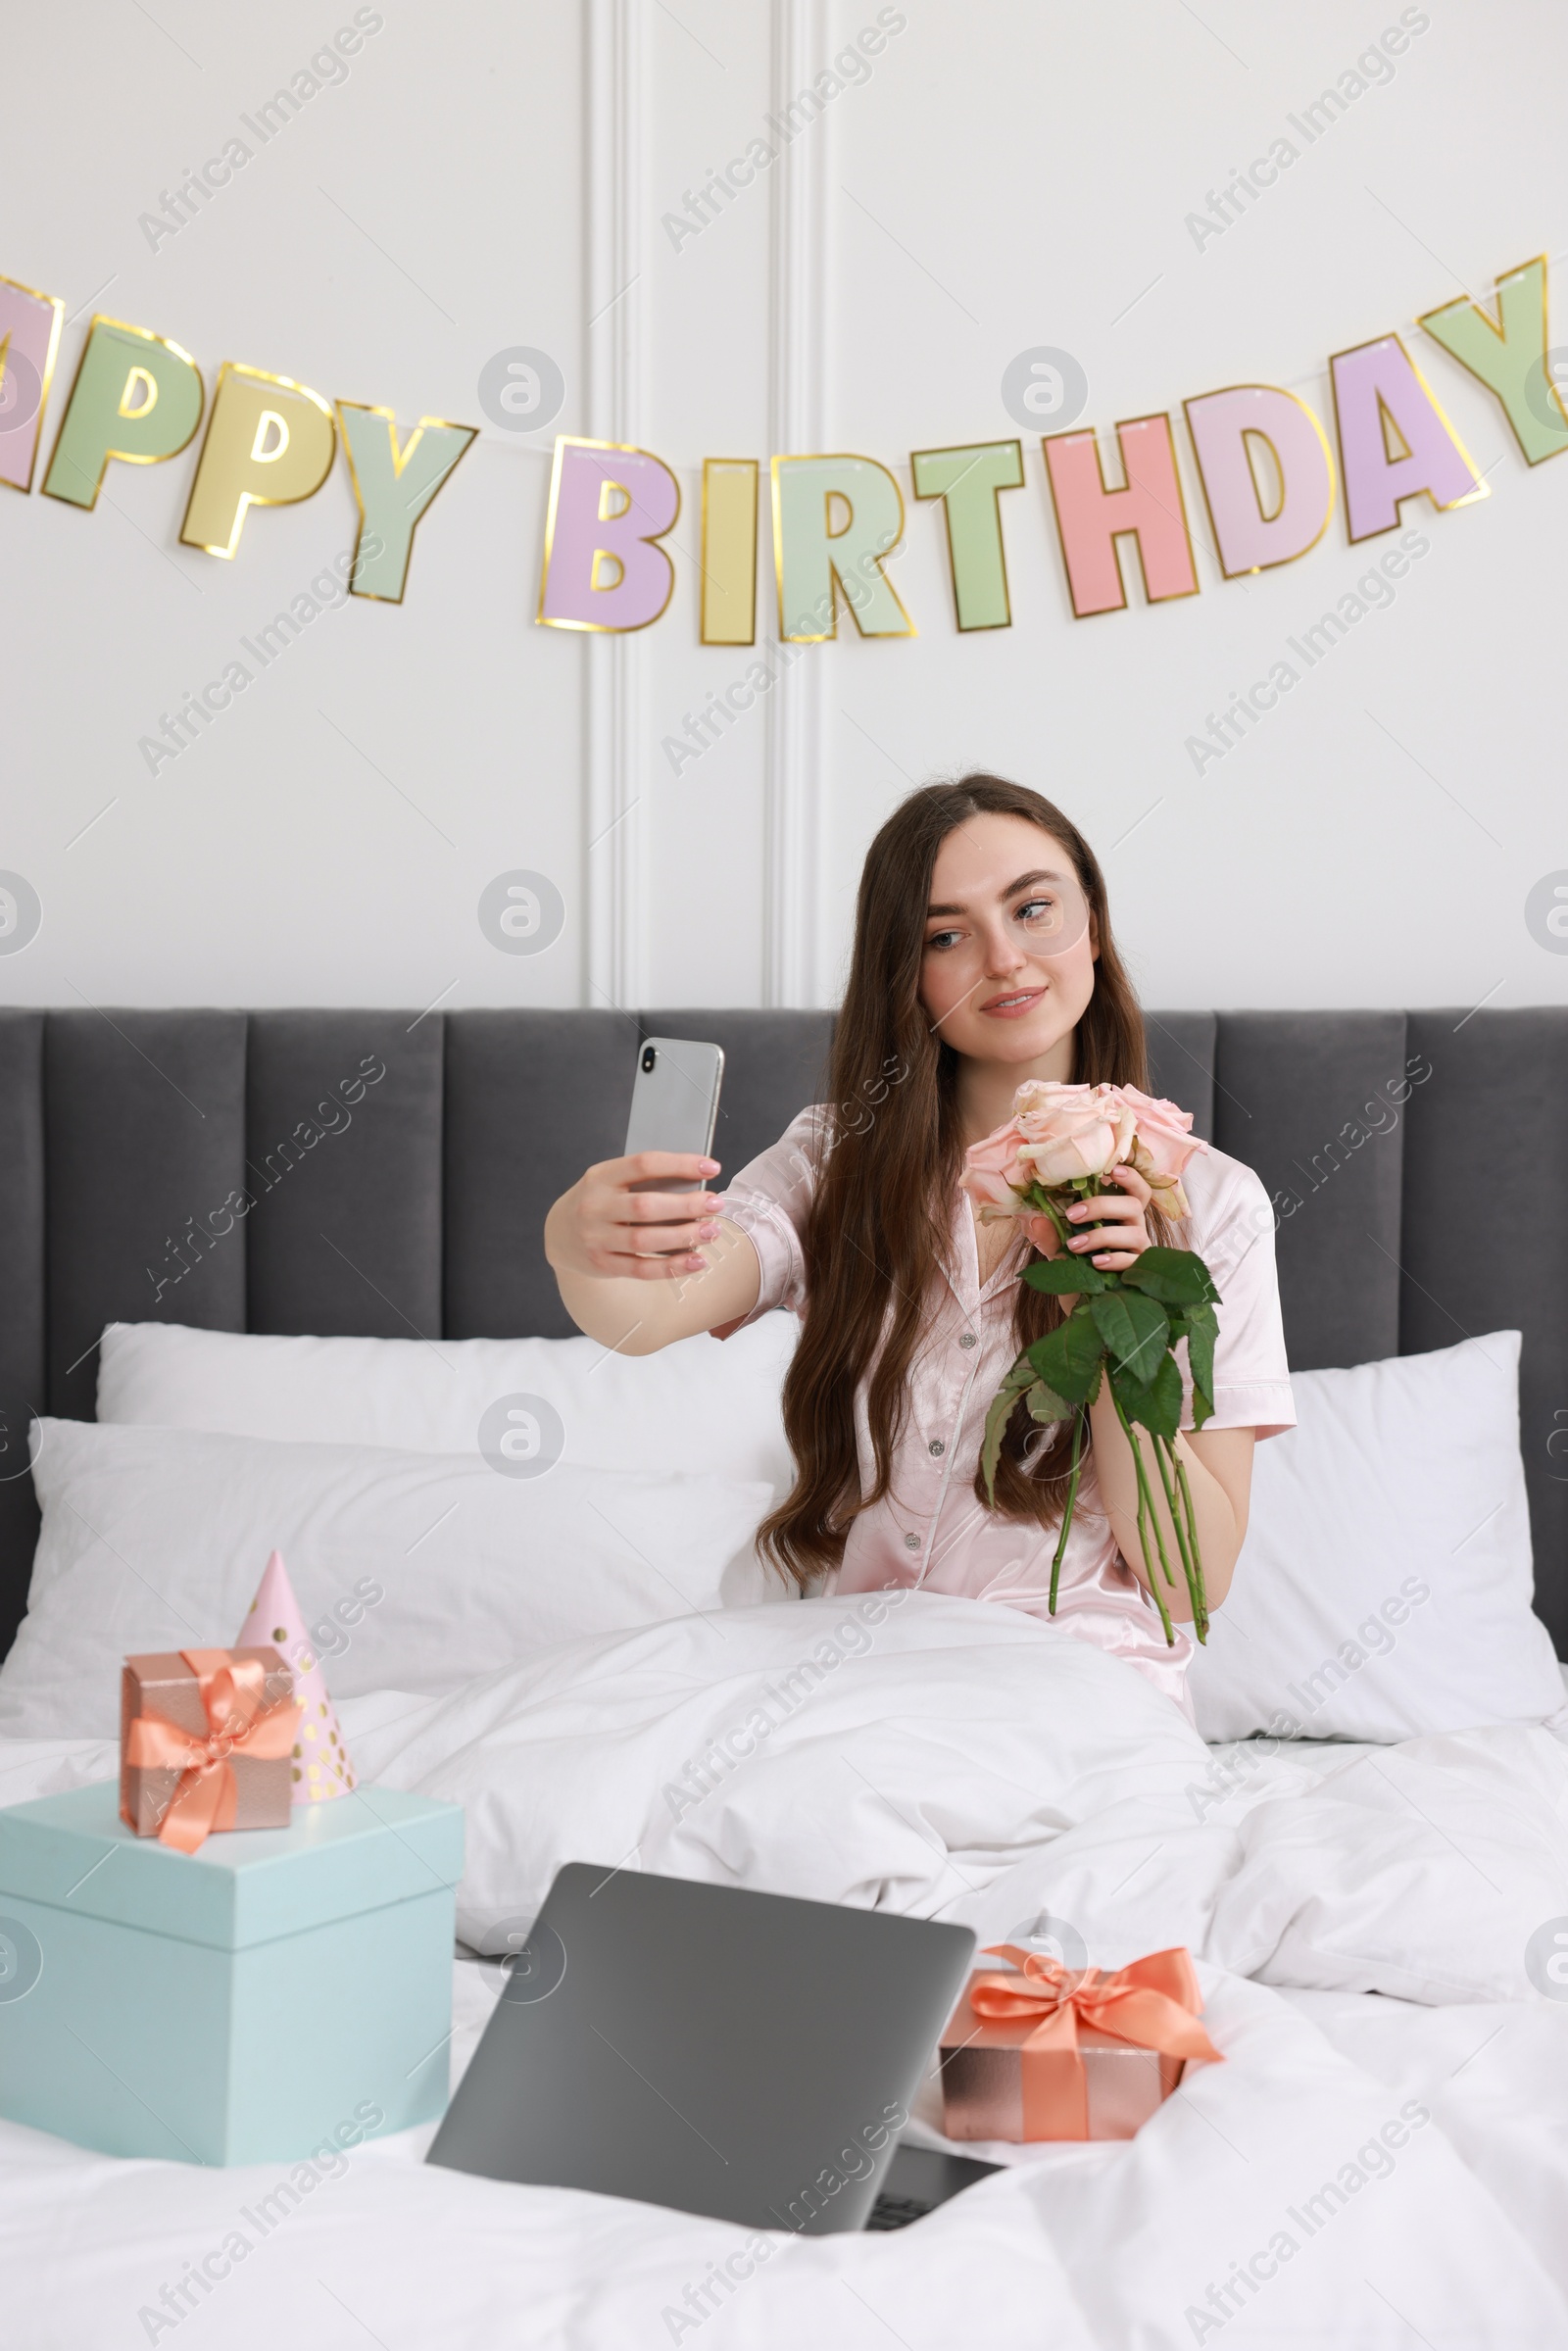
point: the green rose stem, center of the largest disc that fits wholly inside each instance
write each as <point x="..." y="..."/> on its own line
<point x="1078" y="1420"/>
<point x="1146" y="1518"/>
<point x="1064" y="1234"/>
<point x="1200" y="1595"/>
<point x="1178" y="1494"/>
<point x="1192" y="1522"/>
<point x="1048" y="1207"/>
<point x="1059" y="1378"/>
<point x="1146" y="1514"/>
<point x="1169" y="1466"/>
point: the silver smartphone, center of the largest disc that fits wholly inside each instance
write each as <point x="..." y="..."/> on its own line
<point x="674" y="1104"/>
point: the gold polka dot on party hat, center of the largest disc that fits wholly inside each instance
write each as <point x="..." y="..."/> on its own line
<point x="296" y="1758"/>
<point x="310" y="1730"/>
<point x="324" y="1705"/>
<point x="296" y="1767"/>
<point x="279" y="1631"/>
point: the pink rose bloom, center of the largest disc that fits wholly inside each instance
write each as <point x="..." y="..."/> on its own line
<point x="1058" y="1132"/>
<point x="1072" y="1131"/>
<point x="994" y="1175"/>
<point x="1037" y="1094"/>
<point x="1162" y="1148"/>
<point x="1164" y="1130"/>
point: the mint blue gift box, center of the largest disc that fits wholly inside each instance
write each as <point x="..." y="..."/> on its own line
<point x="239" y="2004"/>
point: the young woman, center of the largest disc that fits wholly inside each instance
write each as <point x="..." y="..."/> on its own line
<point x="983" y="956"/>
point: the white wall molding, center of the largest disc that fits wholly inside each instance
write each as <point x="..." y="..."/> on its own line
<point x="614" y="354"/>
<point x="796" y="419"/>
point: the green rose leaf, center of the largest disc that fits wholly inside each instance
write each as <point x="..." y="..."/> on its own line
<point x="1202" y="1328"/>
<point x="1135" y="1330"/>
<point x="1017" y="1382"/>
<point x="1068" y="1359"/>
<point x="1064" y="1276"/>
<point x="1046" y="1405"/>
<point x="1155" y="1404"/>
<point x="1177" y="1276"/>
<point x="1085" y="1346"/>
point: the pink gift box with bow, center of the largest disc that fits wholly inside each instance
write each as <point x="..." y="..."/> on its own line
<point x="207" y="1740"/>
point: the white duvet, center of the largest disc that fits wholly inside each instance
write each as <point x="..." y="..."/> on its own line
<point x="1360" y="2170"/>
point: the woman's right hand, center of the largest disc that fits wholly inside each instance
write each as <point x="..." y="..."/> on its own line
<point x="604" y="1229"/>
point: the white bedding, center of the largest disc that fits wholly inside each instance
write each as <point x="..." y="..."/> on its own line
<point x="1361" y="1916"/>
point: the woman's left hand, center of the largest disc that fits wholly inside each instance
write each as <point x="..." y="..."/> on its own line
<point x="1123" y="1213"/>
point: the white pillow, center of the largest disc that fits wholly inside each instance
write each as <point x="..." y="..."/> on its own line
<point x="1384" y="1590"/>
<point x="702" y="1405"/>
<point x="433" y="1569"/>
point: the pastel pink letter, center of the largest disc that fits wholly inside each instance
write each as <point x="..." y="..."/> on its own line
<point x="1090" y="517"/>
<point x="1377" y="382"/>
<point x="1249" y="539"/>
<point x="30" y="336"/>
<point x="608" y="506"/>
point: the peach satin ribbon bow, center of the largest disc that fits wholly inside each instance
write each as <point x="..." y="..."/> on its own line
<point x="232" y="1691"/>
<point x="1154" y="2004"/>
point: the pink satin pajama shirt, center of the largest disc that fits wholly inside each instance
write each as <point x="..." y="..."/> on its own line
<point x="930" y="1530"/>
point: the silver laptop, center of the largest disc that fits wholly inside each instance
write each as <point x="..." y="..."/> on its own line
<point x="739" y="2054"/>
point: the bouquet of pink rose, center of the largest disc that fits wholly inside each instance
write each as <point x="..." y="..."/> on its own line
<point x="1057" y="1149"/>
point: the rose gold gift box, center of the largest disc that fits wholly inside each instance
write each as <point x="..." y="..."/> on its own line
<point x="162" y="1682"/>
<point x="1042" y="2051"/>
<point x="983" y="2082"/>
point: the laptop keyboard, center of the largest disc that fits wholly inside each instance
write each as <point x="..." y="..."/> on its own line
<point x="897" y="2212"/>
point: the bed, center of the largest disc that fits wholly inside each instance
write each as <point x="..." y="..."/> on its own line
<point x="1382" y="2158"/>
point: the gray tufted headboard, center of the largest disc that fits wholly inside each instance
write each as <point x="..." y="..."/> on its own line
<point x="1415" y="1161"/>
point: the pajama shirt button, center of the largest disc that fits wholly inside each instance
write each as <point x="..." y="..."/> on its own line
<point x="966" y="1339"/>
<point x="911" y="1543"/>
<point x="936" y="1446"/>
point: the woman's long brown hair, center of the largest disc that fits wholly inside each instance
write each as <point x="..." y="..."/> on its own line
<point x="887" y="1157"/>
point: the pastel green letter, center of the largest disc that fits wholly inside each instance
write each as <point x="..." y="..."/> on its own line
<point x="1508" y="354"/>
<point x="394" y="487"/>
<point x="136" y="397"/>
<point x="835" y="522"/>
<point x="967" y="481"/>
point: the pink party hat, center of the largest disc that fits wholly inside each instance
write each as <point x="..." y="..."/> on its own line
<point x="321" y="1766"/>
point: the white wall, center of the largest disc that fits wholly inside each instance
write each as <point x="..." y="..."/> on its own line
<point x="1012" y="176"/>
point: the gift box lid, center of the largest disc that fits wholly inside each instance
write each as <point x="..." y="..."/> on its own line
<point x="361" y="1852"/>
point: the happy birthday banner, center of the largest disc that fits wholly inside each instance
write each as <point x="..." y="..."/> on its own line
<point x="1264" y="465"/>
